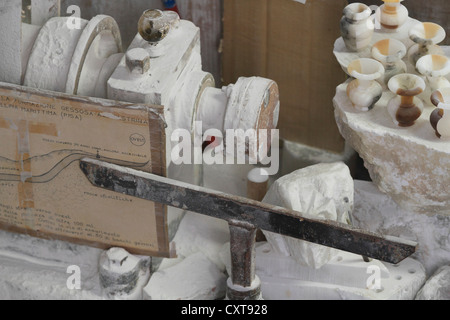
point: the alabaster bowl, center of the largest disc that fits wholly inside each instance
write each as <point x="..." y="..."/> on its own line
<point x="435" y="67"/>
<point x="390" y="53"/>
<point x="364" y="92"/>
<point x="405" y="108"/>
<point x="365" y="69"/>
<point x="426" y="35"/>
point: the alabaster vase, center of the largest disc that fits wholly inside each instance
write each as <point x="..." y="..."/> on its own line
<point x="434" y="67"/>
<point x="364" y="91"/>
<point x="357" y="27"/>
<point x="440" y="117"/>
<point x="392" y="14"/>
<point x="405" y="108"/>
<point x="427" y="36"/>
<point x="390" y="53"/>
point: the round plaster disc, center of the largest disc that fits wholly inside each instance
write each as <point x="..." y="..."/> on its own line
<point x="100" y="39"/>
<point x="253" y="104"/>
<point x="51" y="55"/>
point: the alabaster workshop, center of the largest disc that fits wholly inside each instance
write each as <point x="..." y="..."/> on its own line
<point x="224" y="150"/>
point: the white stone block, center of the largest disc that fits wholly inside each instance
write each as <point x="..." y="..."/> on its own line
<point x="195" y="278"/>
<point x="437" y="287"/>
<point x="200" y="233"/>
<point x="321" y="191"/>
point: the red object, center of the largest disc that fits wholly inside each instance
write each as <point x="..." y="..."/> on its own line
<point x="209" y="141"/>
<point x="171" y="5"/>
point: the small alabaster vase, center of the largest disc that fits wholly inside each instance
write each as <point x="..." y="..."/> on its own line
<point x="392" y="14"/>
<point x="405" y="108"/>
<point x="435" y="67"/>
<point x="357" y="26"/>
<point x="364" y="92"/>
<point x="440" y="121"/>
<point x="440" y="117"/>
<point x="427" y="36"/>
<point x="390" y="53"/>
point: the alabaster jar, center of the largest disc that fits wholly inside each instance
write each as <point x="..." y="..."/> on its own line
<point x="440" y="121"/>
<point x="392" y="14"/>
<point x="440" y="117"/>
<point x="427" y="36"/>
<point x="357" y="26"/>
<point x="390" y="53"/>
<point x="405" y="108"/>
<point x="364" y="92"/>
<point x="434" y="67"/>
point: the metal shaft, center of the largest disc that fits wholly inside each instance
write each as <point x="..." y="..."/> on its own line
<point x="233" y="208"/>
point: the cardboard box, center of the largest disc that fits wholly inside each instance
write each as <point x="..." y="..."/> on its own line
<point x="291" y="43"/>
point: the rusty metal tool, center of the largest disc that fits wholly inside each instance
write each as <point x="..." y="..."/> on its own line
<point x="244" y="216"/>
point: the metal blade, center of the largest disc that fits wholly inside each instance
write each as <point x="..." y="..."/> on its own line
<point x="238" y="209"/>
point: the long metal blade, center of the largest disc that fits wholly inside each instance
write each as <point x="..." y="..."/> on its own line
<point x="238" y="209"/>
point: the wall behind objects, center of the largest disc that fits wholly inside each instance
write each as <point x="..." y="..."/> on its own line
<point x="291" y="43"/>
<point x="206" y="14"/>
<point x="437" y="11"/>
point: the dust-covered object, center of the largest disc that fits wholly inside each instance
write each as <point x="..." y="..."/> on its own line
<point x="322" y="191"/>
<point x="194" y="278"/>
<point x="437" y="286"/>
<point x="122" y="275"/>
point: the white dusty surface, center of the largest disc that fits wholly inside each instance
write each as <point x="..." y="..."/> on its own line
<point x="32" y="268"/>
<point x="346" y="276"/>
<point x="375" y="211"/>
<point x="194" y="278"/>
